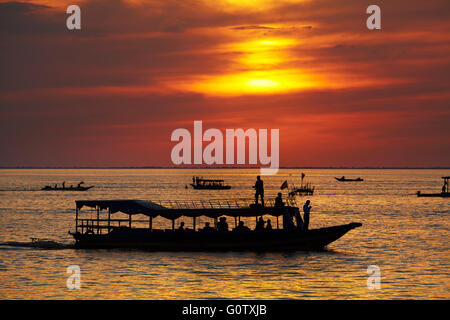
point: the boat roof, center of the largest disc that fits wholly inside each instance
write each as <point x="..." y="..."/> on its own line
<point x="190" y="208"/>
<point x="447" y="177"/>
<point x="212" y="180"/>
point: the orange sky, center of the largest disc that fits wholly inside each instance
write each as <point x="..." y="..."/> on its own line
<point x="112" y="93"/>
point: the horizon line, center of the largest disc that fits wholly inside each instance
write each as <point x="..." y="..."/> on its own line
<point x="223" y="167"/>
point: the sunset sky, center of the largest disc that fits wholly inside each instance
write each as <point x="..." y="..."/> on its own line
<point x="112" y="93"/>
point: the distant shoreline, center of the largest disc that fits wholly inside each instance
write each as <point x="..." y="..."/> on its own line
<point x="196" y="168"/>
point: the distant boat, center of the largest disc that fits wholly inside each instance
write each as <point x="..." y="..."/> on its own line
<point x="208" y="184"/>
<point x="77" y="188"/>
<point x="64" y="188"/>
<point x="344" y="179"/>
<point x="444" y="194"/>
<point x="304" y="189"/>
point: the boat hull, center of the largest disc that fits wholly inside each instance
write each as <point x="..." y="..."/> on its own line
<point x="199" y="187"/>
<point x="434" y="195"/>
<point x="67" y="189"/>
<point x="348" y="180"/>
<point x="274" y="240"/>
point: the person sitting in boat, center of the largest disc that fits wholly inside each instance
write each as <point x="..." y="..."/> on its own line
<point x="298" y="219"/>
<point x="306" y="212"/>
<point x="288" y="224"/>
<point x="279" y="200"/>
<point x="241" y="227"/>
<point x="222" y="225"/>
<point x="208" y="228"/>
<point x="181" y="227"/>
<point x="260" y="224"/>
<point x="79" y="185"/>
<point x="269" y="225"/>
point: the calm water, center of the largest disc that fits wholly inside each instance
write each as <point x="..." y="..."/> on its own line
<point x="406" y="236"/>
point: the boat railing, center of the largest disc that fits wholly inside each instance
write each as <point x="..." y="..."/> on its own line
<point x="219" y="203"/>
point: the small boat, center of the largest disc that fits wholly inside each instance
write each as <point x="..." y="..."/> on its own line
<point x="304" y="189"/>
<point x="104" y="232"/>
<point x="77" y="188"/>
<point x="344" y="179"/>
<point x="444" y="194"/>
<point x="208" y="184"/>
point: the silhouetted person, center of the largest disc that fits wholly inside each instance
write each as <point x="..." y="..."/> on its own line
<point x="260" y="224"/>
<point x="259" y="190"/>
<point x="279" y="200"/>
<point x="241" y="227"/>
<point x="207" y="227"/>
<point x="299" y="220"/>
<point x="64" y="184"/>
<point x="306" y="212"/>
<point x="222" y="225"/>
<point x="269" y="225"/>
<point x="443" y="188"/>
<point x="288" y="224"/>
<point x="181" y="227"/>
<point x="193" y="179"/>
<point x="56" y="185"/>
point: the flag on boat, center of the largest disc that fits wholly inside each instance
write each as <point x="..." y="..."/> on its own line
<point x="284" y="185"/>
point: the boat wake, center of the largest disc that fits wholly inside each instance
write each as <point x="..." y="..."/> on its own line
<point x="39" y="244"/>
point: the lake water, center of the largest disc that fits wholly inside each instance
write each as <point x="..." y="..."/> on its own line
<point x="405" y="236"/>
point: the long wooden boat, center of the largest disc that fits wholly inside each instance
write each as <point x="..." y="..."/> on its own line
<point x="343" y="179"/>
<point x="119" y="233"/>
<point x="434" y="195"/>
<point x="49" y="188"/>
<point x="445" y="190"/>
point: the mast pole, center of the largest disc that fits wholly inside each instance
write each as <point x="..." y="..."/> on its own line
<point x="109" y="219"/>
<point x="98" y="219"/>
<point x="76" y="219"/>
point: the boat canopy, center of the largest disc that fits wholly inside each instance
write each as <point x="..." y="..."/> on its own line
<point x="175" y="209"/>
<point x="448" y="177"/>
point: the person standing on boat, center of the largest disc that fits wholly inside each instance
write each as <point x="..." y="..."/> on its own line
<point x="306" y="212"/>
<point x="259" y="188"/>
<point x="269" y="225"/>
<point x="64" y="184"/>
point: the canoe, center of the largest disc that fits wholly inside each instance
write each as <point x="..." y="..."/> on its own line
<point x="435" y="195"/>
<point x="349" y="180"/>
<point x="49" y="188"/>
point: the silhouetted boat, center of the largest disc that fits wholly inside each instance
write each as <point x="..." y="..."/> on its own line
<point x="343" y="179"/>
<point x="77" y="188"/>
<point x="209" y="184"/>
<point x="444" y="194"/>
<point x="101" y="233"/>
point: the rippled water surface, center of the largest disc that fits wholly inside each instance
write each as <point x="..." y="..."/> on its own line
<point x="406" y="236"/>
